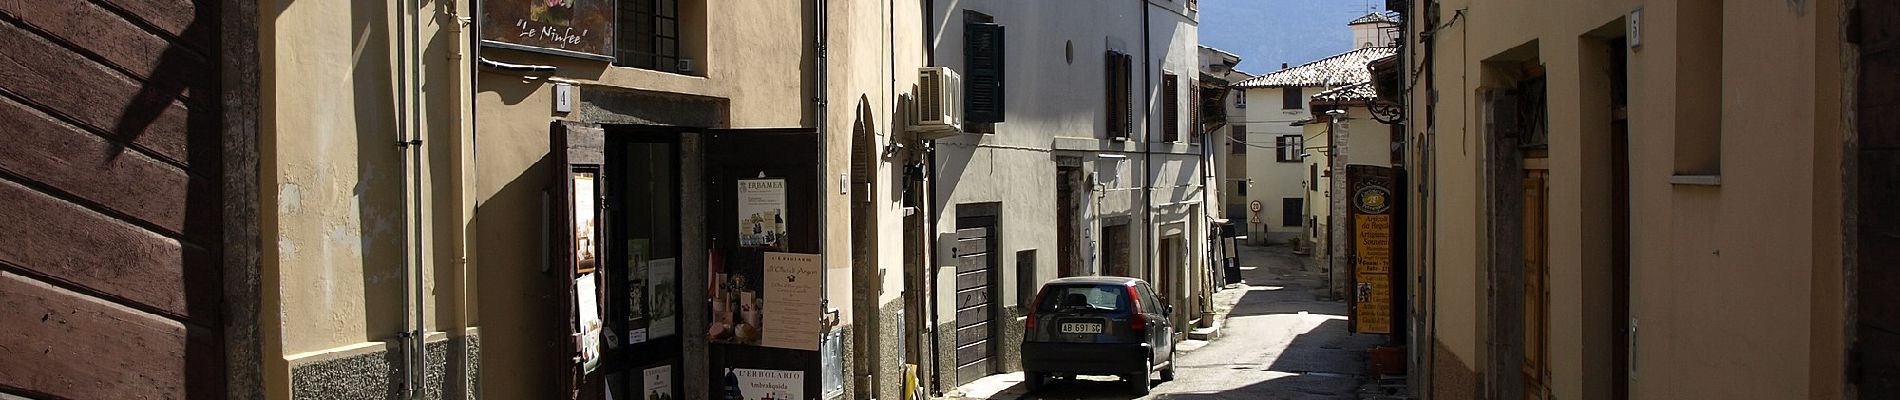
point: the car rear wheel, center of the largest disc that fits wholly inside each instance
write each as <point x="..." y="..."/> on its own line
<point x="1034" y="380"/>
<point x="1167" y="374"/>
<point x="1140" y="381"/>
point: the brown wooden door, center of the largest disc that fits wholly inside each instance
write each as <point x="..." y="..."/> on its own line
<point x="975" y="332"/>
<point x="1068" y="207"/>
<point x="112" y="202"/>
<point x="1536" y="292"/>
<point x="1878" y="335"/>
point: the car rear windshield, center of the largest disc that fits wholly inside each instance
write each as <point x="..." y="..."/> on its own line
<point x="1085" y="298"/>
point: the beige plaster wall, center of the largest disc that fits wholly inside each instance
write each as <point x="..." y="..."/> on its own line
<point x="337" y="230"/>
<point x="1272" y="179"/>
<point x="1731" y="283"/>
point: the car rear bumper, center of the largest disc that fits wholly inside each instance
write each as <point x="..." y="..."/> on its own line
<point x="1085" y="358"/>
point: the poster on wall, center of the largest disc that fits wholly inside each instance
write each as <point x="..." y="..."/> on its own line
<point x="765" y="384"/>
<point x="638" y="251"/>
<point x="662" y="297"/>
<point x="574" y="28"/>
<point x="589" y="322"/>
<point x="659" y="383"/>
<point x="761" y="214"/>
<point x="585" y="236"/>
<point x="791" y="319"/>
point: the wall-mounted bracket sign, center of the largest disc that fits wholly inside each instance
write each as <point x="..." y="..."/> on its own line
<point x="573" y="28"/>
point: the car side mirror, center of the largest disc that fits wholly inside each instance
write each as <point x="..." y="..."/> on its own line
<point x="1167" y="310"/>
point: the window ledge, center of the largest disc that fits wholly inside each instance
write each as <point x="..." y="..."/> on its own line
<point x="1696" y="180"/>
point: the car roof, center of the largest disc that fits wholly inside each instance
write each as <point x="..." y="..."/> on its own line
<point x="1093" y="280"/>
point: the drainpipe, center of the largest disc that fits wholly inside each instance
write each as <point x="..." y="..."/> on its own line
<point x="417" y="279"/>
<point x="409" y="142"/>
<point x="1147" y="148"/>
<point x="929" y="202"/>
<point x="819" y="122"/>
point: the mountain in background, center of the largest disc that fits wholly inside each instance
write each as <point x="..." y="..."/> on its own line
<point x="1266" y="33"/>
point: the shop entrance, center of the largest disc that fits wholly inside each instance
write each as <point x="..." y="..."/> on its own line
<point x="642" y="216"/>
<point x="690" y="260"/>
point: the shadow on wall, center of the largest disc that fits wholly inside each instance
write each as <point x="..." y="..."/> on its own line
<point x="379" y="186"/>
<point x="518" y="298"/>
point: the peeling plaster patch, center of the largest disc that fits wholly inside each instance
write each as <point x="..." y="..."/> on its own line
<point x="289" y="198"/>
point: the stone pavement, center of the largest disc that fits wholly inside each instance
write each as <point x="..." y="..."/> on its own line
<point x="1282" y="339"/>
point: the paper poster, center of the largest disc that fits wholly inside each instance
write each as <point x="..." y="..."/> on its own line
<point x="765" y="384"/>
<point x="636" y="336"/>
<point x="638" y="253"/>
<point x="761" y="214"/>
<point x="659" y="383"/>
<point x="792" y="281"/>
<point x="588" y="321"/>
<point x="585" y="237"/>
<point x="662" y="297"/>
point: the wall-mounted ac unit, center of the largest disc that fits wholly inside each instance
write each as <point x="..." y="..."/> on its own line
<point x="938" y="111"/>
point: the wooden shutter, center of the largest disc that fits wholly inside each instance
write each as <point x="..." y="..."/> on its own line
<point x="1194" y="106"/>
<point x="1125" y="80"/>
<point x="1291" y="97"/>
<point x="983" y="84"/>
<point x="1239" y="134"/>
<point x="1170" y="108"/>
<point x="1112" y="94"/>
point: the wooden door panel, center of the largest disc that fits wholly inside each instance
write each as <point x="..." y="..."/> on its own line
<point x="1536" y="291"/>
<point x="1878" y="336"/>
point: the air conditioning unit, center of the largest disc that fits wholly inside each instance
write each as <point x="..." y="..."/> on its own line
<point x="938" y="111"/>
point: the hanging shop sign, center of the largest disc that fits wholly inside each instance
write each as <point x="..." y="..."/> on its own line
<point x="761" y="210"/>
<point x="1370" y="213"/>
<point x="574" y="28"/>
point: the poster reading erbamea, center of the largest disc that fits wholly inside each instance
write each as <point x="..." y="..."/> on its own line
<point x="762" y="213"/>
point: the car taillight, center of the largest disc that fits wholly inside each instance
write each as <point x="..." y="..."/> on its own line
<point x="1030" y="324"/>
<point x="1140" y="321"/>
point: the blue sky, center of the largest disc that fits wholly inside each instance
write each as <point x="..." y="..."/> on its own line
<point x="1266" y="33"/>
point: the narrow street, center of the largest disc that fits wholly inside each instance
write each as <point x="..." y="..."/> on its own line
<point x="1281" y="340"/>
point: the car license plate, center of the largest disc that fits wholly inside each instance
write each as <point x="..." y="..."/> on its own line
<point x="1078" y="327"/>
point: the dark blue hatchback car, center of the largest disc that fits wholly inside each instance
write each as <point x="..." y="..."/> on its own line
<point x="1098" y="325"/>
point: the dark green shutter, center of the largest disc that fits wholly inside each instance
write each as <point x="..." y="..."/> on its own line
<point x="983" y="84"/>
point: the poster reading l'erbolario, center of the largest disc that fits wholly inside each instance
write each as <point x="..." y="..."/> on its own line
<point x="765" y="384"/>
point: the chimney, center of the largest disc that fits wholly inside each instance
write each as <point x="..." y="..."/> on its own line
<point x="1282" y="65"/>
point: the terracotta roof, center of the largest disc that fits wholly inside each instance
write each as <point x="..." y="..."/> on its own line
<point x="1340" y="69"/>
<point x="1374" y="18"/>
<point x="1361" y="91"/>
